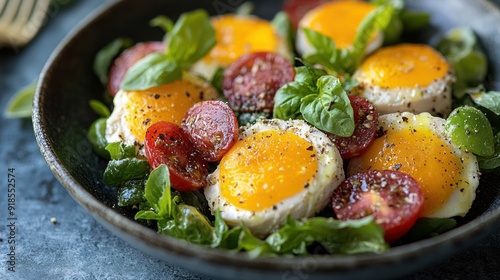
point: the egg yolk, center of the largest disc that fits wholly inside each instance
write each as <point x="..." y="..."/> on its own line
<point x="266" y="168"/>
<point x="405" y="65"/>
<point x="238" y="35"/>
<point x="339" y="20"/>
<point x="167" y="102"/>
<point x="419" y="152"/>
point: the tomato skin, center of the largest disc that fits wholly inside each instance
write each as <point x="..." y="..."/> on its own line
<point x="366" y="122"/>
<point x="250" y="83"/>
<point x="394" y="198"/>
<point x="212" y="127"/>
<point x="127" y="59"/>
<point x="167" y="143"/>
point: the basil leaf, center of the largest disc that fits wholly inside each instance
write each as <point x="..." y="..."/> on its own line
<point x="378" y="19"/>
<point x="283" y="25"/>
<point x="122" y="170"/>
<point x="131" y="193"/>
<point x="118" y="150"/>
<point x="153" y="70"/>
<point x="288" y="100"/>
<point x="163" y="22"/>
<point x="489" y="100"/>
<point x="97" y="137"/>
<point x="330" y="110"/>
<point x="191" y="38"/>
<point x="326" y="50"/>
<point x="308" y="75"/>
<point x="20" y="105"/>
<point x="106" y="55"/>
<point x="99" y="108"/>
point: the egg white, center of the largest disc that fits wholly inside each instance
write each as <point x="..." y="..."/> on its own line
<point x="464" y="193"/>
<point x="307" y="203"/>
<point x="435" y="98"/>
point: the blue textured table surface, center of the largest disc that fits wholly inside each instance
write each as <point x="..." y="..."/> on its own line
<point x="76" y="246"/>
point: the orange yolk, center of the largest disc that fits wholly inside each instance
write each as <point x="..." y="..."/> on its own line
<point x="238" y="35"/>
<point x="418" y="152"/>
<point x="339" y="20"/>
<point x="167" y="102"/>
<point x="405" y="65"/>
<point x="266" y="168"/>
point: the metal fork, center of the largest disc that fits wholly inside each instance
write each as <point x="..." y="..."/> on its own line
<point x="20" y="20"/>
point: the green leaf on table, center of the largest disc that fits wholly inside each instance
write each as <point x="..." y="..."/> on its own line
<point x="489" y="100"/>
<point x="20" y="104"/>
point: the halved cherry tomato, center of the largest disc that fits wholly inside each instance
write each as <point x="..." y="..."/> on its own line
<point x="366" y="121"/>
<point x="251" y="82"/>
<point x="167" y="143"/>
<point x="394" y="198"/>
<point x="212" y="127"/>
<point x="127" y="59"/>
<point x="296" y="9"/>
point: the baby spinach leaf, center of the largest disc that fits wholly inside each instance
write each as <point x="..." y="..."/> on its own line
<point x="97" y="137"/>
<point x="489" y="100"/>
<point x="118" y="150"/>
<point x="122" y="170"/>
<point x="131" y="193"/>
<point x="493" y="162"/>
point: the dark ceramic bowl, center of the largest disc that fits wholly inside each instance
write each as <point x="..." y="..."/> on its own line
<point x="61" y="117"/>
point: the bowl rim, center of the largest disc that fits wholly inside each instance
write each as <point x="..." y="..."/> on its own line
<point x="478" y="228"/>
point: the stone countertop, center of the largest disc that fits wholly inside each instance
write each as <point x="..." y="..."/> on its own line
<point x="56" y="239"/>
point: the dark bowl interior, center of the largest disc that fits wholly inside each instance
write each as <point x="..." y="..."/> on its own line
<point x="61" y="117"/>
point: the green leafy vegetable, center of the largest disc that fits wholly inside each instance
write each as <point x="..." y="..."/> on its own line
<point x="97" y="137"/>
<point x="191" y="38"/>
<point x="131" y="193"/>
<point x="163" y="22"/>
<point x="461" y="49"/>
<point x="20" y="105"/>
<point x="429" y="227"/>
<point x="283" y="25"/>
<point x="319" y="99"/>
<point x="106" y="55"/>
<point x="345" y="61"/>
<point x="178" y="219"/>
<point x="124" y="166"/>
<point x="489" y="100"/>
<point x="99" y="108"/>
<point x="469" y="129"/>
<point x="414" y="21"/>
<point x="493" y="162"/>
